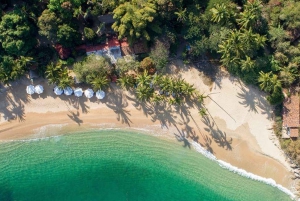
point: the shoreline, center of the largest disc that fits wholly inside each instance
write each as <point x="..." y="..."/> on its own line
<point x="65" y="129"/>
<point x="238" y="135"/>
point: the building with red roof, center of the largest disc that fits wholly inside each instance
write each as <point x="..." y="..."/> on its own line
<point x="290" y="116"/>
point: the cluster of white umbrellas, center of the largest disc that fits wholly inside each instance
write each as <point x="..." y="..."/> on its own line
<point x="78" y="92"/>
<point x="30" y="89"/>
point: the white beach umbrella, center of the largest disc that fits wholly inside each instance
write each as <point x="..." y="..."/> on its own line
<point x="30" y="89"/>
<point x="38" y="89"/>
<point x="78" y="92"/>
<point x="100" y="94"/>
<point x="68" y="91"/>
<point x="89" y="93"/>
<point x="58" y="91"/>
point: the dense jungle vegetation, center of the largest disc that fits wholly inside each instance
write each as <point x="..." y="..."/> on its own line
<point x="257" y="41"/>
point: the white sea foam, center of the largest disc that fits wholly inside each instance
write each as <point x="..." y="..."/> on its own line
<point x="43" y="131"/>
<point x="56" y="138"/>
<point x="239" y="171"/>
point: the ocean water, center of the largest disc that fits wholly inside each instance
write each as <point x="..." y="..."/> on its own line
<point x="118" y="165"/>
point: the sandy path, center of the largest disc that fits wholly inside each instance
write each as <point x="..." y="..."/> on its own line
<point x="238" y="131"/>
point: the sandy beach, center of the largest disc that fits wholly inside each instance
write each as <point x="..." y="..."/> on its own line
<point x="237" y="130"/>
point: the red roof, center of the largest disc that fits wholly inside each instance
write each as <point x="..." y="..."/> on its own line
<point x="290" y="116"/>
<point x="113" y="42"/>
<point x="294" y="132"/>
<point x="137" y="48"/>
<point x="63" y="52"/>
<point x="95" y="48"/>
<point x="124" y="43"/>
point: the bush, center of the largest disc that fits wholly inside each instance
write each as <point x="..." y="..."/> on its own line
<point x="89" y="33"/>
<point x="159" y="54"/>
<point x="70" y="61"/>
<point x="92" y="67"/>
<point x="147" y="64"/>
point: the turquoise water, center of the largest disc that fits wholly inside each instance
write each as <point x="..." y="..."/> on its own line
<point x="117" y="165"/>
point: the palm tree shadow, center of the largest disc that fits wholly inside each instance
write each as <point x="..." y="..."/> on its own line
<point x="146" y="108"/>
<point x="117" y="103"/>
<point x="217" y="135"/>
<point x="18" y="112"/>
<point x="181" y="137"/>
<point x="75" y="117"/>
<point x="164" y="114"/>
<point x="249" y="99"/>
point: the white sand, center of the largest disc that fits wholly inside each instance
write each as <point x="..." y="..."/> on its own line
<point x="238" y="104"/>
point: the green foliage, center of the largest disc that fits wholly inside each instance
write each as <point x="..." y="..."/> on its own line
<point x="58" y="5"/>
<point x="159" y="54"/>
<point x="289" y="74"/>
<point x="67" y="36"/>
<point x="147" y="63"/>
<point x="126" y="82"/>
<point x="135" y="21"/>
<point x="64" y="79"/>
<point x="100" y="82"/>
<point x="203" y="112"/>
<point x="53" y="73"/>
<point x="144" y="93"/>
<point x="17" y="33"/>
<point x="271" y="84"/>
<point x="224" y="14"/>
<point x="289" y="15"/>
<point x="277" y="35"/>
<point x="58" y="75"/>
<point x="92" y="67"/>
<point x="48" y="24"/>
<point x="251" y="14"/>
<point x="123" y="66"/>
<point x="10" y="69"/>
<point x="89" y="33"/>
<point x="143" y="79"/>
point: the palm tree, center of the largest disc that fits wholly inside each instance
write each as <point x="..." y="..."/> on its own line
<point x="65" y="81"/>
<point x="203" y="112"/>
<point x="100" y="82"/>
<point x="178" y="84"/>
<point x="156" y="98"/>
<point x="181" y="15"/>
<point x="246" y="19"/>
<point x="126" y="81"/>
<point x="53" y="73"/>
<point x="201" y="98"/>
<point x="260" y="41"/>
<point x="275" y="83"/>
<point x="24" y="61"/>
<point x="220" y="13"/>
<point x="187" y="89"/>
<point x="157" y="78"/>
<point x="252" y="12"/>
<point x="165" y="84"/>
<point x="232" y="49"/>
<point x="288" y="74"/>
<point x="268" y="81"/>
<point x="143" y="79"/>
<point x="144" y="93"/>
<point x="248" y="64"/>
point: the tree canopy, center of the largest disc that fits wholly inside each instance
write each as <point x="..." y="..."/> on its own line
<point x="17" y="33"/>
<point x="136" y="20"/>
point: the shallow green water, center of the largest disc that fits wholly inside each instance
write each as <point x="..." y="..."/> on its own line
<point x="117" y="165"/>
